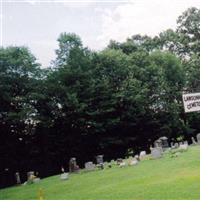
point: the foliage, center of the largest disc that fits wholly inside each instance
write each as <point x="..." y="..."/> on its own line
<point x="89" y="103"/>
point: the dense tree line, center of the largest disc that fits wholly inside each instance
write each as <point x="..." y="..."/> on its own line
<point x="88" y="103"/>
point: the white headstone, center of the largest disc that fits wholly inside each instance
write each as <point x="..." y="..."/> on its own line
<point x="183" y="147"/>
<point x="142" y="155"/>
<point x="123" y="164"/>
<point x="133" y="162"/>
<point x="89" y="166"/>
<point x="64" y="176"/>
<point x="36" y="180"/>
<point x="17" y="176"/>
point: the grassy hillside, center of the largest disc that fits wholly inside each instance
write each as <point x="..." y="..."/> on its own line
<point x="164" y="179"/>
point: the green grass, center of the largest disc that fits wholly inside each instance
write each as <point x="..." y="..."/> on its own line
<point x="164" y="179"/>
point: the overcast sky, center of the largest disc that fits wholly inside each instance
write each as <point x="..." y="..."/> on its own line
<point x="37" y="24"/>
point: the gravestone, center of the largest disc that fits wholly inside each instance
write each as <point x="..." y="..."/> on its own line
<point x="133" y="162"/>
<point x="162" y="142"/>
<point x="176" y="145"/>
<point x="156" y="152"/>
<point x="64" y="176"/>
<point x="119" y="160"/>
<point x="198" y="138"/>
<point x="123" y="164"/>
<point x="142" y="155"/>
<point x="183" y="147"/>
<point x="193" y="141"/>
<point x="99" y="159"/>
<point x="180" y="143"/>
<point x="36" y="180"/>
<point x="158" y="143"/>
<point x="89" y="166"/>
<point x="17" y="176"/>
<point x="73" y="167"/>
<point x="137" y="158"/>
<point x="30" y="176"/>
<point x="62" y="170"/>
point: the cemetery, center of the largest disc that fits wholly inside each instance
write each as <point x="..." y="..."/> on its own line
<point x="145" y="176"/>
<point x="115" y="116"/>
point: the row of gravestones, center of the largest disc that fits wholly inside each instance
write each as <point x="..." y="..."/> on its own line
<point x="161" y="145"/>
<point x="73" y="167"/>
<point x="31" y="177"/>
<point x="89" y="166"/>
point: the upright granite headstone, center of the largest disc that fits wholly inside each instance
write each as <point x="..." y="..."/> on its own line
<point x="198" y="138"/>
<point x="162" y="142"/>
<point x="99" y="159"/>
<point x="165" y="144"/>
<point x="156" y="152"/>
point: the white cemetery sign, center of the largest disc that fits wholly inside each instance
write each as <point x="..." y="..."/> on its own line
<point x="191" y="102"/>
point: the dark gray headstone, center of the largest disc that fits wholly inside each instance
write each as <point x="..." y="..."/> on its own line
<point x="99" y="159"/>
<point x="162" y="142"/>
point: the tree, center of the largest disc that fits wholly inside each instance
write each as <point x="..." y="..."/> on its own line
<point x="189" y="30"/>
<point x="68" y="43"/>
<point x="19" y="76"/>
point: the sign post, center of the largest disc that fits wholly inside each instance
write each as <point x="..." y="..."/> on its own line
<point x="191" y="102"/>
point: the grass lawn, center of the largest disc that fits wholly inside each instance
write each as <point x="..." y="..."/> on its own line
<point x="164" y="179"/>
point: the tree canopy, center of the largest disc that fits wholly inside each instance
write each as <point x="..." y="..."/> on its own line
<point x="88" y="103"/>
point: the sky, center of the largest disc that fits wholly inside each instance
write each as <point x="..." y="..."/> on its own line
<point x="38" y="23"/>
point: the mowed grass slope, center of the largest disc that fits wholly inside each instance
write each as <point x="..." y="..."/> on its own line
<point x="164" y="179"/>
